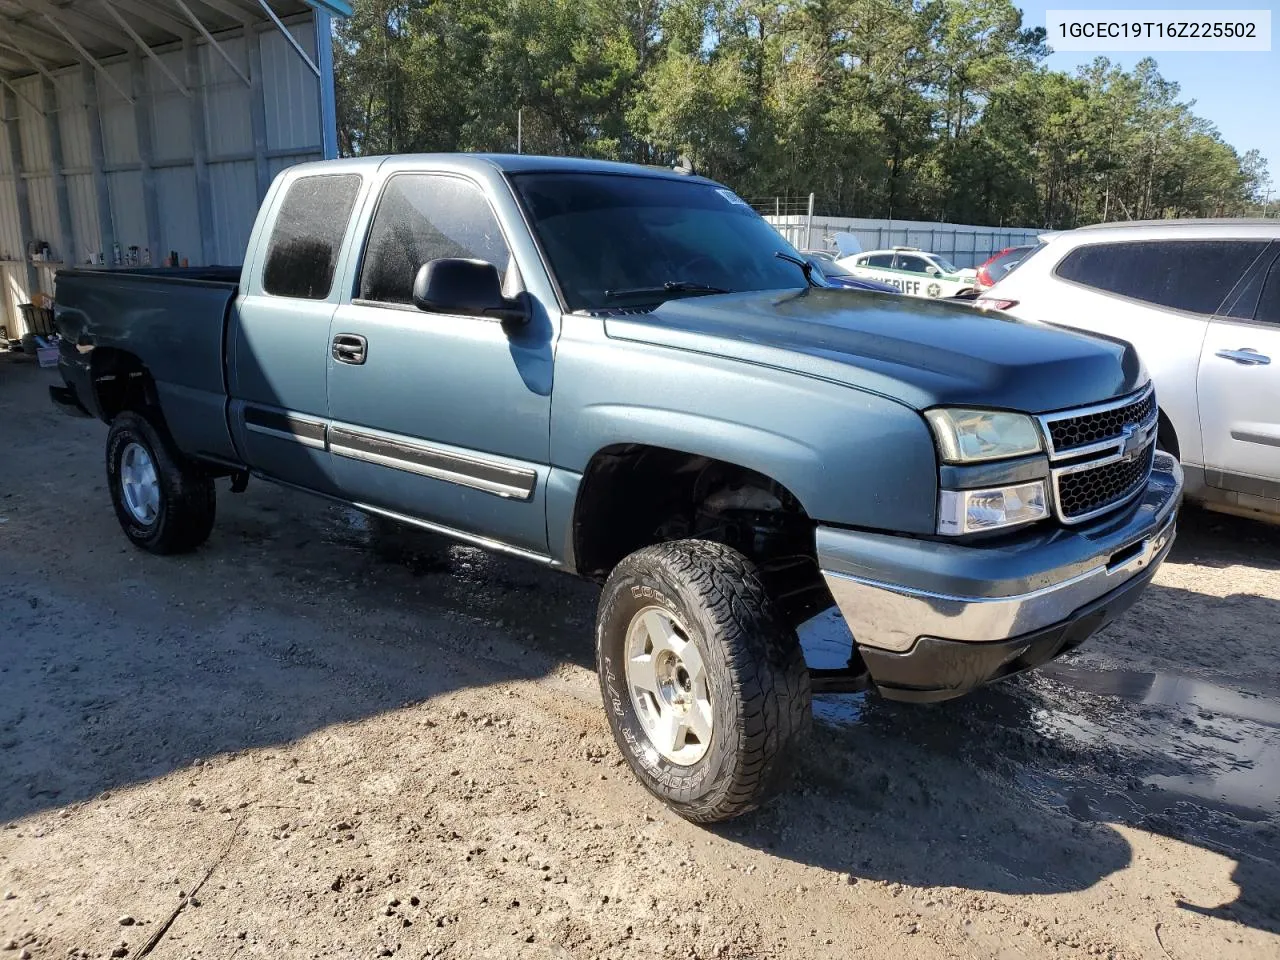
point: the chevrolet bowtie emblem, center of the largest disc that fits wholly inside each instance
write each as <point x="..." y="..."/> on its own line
<point x="1131" y="441"/>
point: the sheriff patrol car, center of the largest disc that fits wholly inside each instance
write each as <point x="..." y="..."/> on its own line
<point x="914" y="272"/>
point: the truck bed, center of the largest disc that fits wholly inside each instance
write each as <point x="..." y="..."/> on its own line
<point x="225" y="273"/>
<point x="174" y="321"/>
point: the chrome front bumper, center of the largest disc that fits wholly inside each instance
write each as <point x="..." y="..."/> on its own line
<point x="894" y="591"/>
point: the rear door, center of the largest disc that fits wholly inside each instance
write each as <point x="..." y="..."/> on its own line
<point x="440" y="418"/>
<point x="278" y="346"/>
<point x="877" y="266"/>
<point x="1239" y="386"/>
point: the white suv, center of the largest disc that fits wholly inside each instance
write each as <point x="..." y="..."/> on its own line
<point x="1200" y="299"/>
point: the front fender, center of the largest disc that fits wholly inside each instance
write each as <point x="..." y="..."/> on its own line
<point x="851" y="458"/>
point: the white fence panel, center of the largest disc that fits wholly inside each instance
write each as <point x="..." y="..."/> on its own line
<point x="965" y="245"/>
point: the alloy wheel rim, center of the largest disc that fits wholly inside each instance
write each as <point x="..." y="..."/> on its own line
<point x="667" y="680"/>
<point x="139" y="484"/>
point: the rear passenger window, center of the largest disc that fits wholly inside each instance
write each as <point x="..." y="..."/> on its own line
<point x="1191" y="275"/>
<point x="424" y="217"/>
<point x="881" y="260"/>
<point x="307" y="237"/>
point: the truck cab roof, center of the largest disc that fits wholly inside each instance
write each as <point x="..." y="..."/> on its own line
<point x="486" y="163"/>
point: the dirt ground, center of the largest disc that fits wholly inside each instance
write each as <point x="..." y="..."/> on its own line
<point x="329" y="750"/>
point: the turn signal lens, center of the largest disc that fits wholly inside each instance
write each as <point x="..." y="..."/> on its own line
<point x="976" y="511"/>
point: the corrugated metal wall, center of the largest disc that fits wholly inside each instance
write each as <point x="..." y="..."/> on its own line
<point x="150" y="154"/>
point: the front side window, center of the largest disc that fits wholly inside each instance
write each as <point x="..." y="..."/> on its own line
<point x="615" y="240"/>
<point x="1191" y="275"/>
<point x="306" y="240"/>
<point x="424" y="217"/>
<point x="912" y="264"/>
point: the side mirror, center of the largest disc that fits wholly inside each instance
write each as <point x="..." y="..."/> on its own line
<point x="472" y="288"/>
<point x="938" y="274"/>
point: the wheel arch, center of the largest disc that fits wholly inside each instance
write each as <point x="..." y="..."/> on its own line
<point x="120" y="381"/>
<point x="1166" y="435"/>
<point x="628" y="489"/>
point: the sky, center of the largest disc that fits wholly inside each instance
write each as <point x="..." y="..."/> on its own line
<point x="1236" y="91"/>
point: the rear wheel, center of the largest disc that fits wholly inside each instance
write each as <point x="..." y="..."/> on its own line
<point x="165" y="504"/>
<point x="704" y="682"/>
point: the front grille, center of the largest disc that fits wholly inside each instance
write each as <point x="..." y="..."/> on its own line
<point x="1083" y="493"/>
<point x="1086" y="429"/>
<point x="1101" y="456"/>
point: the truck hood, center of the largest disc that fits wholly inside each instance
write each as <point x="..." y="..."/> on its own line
<point x="922" y="353"/>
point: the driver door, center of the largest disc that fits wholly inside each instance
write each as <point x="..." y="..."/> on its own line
<point x="438" y="417"/>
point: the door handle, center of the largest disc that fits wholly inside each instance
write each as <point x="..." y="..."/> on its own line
<point x="1245" y="356"/>
<point x="350" y="348"/>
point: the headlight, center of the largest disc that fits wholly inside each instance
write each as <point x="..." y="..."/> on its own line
<point x="971" y="436"/>
<point x="975" y="511"/>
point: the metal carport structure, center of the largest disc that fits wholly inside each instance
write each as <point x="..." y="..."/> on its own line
<point x="152" y="125"/>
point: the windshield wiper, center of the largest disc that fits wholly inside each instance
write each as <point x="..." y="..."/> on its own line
<point x="800" y="262"/>
<point x="671" y="286"/>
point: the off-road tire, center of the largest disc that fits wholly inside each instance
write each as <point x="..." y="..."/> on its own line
<point x="756" y="675"/>
<point x="187" y="498"/>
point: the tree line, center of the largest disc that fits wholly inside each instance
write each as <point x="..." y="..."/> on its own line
<point x="911" y="109"/>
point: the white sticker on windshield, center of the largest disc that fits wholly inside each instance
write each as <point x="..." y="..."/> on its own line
<point x="732" y="197"/>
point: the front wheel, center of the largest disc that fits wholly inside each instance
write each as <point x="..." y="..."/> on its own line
<point x="704" y="683"/>
<point x="164" y="503"/>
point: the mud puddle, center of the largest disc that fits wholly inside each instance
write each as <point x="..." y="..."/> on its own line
<point x="1171" y="753"/>
<point x="1192" y="744"/>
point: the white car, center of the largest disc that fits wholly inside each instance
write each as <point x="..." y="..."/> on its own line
<point x="1200" y="299"/>
<point x="914" y="272"/>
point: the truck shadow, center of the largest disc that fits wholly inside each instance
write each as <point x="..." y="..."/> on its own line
<point x="1222" y="540"/>
<point x="1017" y="788"/>
<point x="1013" y="789"/>
<point x="1030" y="773"/>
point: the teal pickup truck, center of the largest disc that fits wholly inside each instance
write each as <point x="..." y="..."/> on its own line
<point x="626" y="374"/>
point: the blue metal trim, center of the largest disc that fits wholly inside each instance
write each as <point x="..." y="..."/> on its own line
<point x="337" y="8"/>
<point x="328" y="93"/>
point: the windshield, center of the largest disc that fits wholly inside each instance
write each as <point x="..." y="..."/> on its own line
<point x="617" y="240"/>
<point x="945" y="265"/>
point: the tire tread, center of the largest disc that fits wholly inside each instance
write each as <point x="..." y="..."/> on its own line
<point x="190" y="500"/>
<point x="764" y="658"/>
